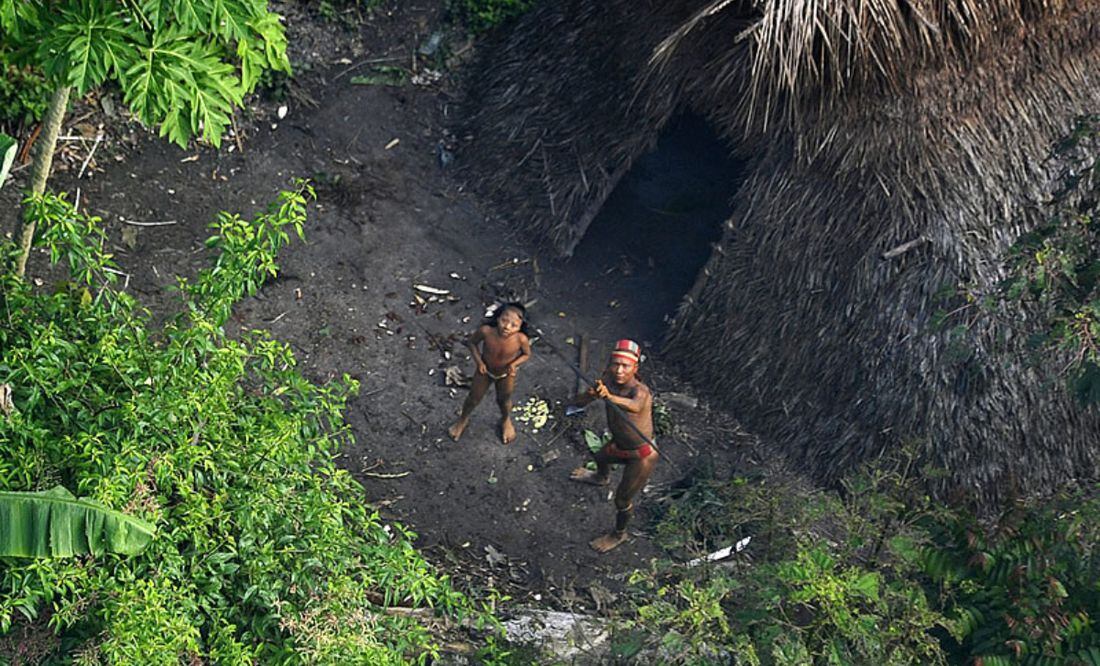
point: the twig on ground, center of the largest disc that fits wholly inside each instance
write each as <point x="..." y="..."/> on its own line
<point x="88" y="159"/>
<point x="147" y="224"/>
<point x="384" y="475"/>
<point x="372" y="61"/>
<point x="236" y="132"/>
<point x="511" y="263"/>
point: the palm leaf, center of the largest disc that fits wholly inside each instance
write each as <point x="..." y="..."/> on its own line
<point x="54" y="523"/>
<point x="7" y="155"/>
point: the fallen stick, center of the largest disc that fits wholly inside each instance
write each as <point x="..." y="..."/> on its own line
<point x="88" y="159"/>
<point x="372" y="61"/>
<point x="582" y="360"/>
<point x="135" y="223"/>
<point x="236" y="132"/>
<point x="511" y="263"/>
<point x="383" y="475"/>
<point x="25" y="154"/>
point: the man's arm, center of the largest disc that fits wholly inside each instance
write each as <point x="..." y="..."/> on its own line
<point x="635" y="403"/>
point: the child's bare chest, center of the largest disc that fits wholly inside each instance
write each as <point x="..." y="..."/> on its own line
<point x="498" y="347"/>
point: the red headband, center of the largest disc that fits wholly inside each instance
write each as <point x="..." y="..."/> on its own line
<point x="627" y="350"/>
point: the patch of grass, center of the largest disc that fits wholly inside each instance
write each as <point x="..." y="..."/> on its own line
<point x="382" y="75"/>
<point x="482" y="15"/>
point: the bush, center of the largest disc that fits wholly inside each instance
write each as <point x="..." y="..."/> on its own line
<point x="23" y="93"/>
<point x="266" y="552"/>
<point x="1025" y="591"/>
<point x="830" y="581"/>
<point x="877" y="574"/>
<point x="481" y="15"/>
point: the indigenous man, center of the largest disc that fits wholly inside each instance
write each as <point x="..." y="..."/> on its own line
<point x="499" y="346"/>
<point x="629" y="446"/>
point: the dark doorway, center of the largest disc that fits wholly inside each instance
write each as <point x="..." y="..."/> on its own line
<point x="644" y="249"/>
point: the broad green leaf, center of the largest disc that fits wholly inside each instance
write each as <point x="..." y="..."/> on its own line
<point x="8" y="148"/>
<point x="87" y="43"/>
<point x="19" y="16"/>
<point x="184" y="85"/>
<point x="594" y="441"/>
<point x="270" y="30"/>
<point x="867" y="585"/>
<point x="56" y="524"/>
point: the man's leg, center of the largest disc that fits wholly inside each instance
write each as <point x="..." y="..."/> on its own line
<point x="505" y="387"/>
<point x="477" y="391"/>
<point x="601" y="476"/>
<point x="635" y="476"/>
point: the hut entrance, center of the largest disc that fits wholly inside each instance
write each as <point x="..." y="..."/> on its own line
<point x="643" y="250"/>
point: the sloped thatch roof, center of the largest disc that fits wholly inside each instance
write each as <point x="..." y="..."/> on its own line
<point x="866" y="126"/>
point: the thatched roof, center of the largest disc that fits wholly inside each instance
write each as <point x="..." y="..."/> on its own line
<point x="922" y="125"/>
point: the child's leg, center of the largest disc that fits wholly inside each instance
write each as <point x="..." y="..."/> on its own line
<point x="505" y="387"/>
<point x="478" y="388"/>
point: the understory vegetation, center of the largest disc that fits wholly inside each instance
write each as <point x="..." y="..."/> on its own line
<point x="24" y="93"/>
<point x="879" y="574"/>
<point x="265" y="551"/>
<point x="1057" y="266"/>
<point x="482" y="15"/>
<point x="1051" y="296"/>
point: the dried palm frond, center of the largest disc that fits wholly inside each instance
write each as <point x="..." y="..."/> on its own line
<point x="807" y="52"/>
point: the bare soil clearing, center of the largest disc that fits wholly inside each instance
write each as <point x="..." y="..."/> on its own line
<point x="389" y="218"/>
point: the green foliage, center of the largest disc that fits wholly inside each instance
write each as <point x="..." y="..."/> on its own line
<point x="1056" y="268"/>
<point x="663" y="423"/>
<point x="56" y="524"/>
<point x="1026" y="591"/>
<point x="382" y="75"/>
<point x="481" y="15"/>
<point x="881" y="574"/>
<point x="595" y="442"/>
<point x="8" y="146"/>
<point x="181" y="64"/>
<point x="266" y="552"/>
<point x="831" y="581"/>
<point x="348" y="13"/>
<point x="24" y="92"/>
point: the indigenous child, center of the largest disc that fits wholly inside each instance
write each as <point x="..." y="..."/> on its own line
<point x="499" y="346"/>
<point x="629" y="446"/>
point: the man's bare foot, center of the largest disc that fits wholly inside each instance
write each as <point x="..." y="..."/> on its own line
<point x="602" y="544"/>
<point x="582" y="475"/>
<point x="507" y="431"/>
<point x="457" y="429"/>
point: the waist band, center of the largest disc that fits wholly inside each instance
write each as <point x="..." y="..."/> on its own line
<point x="644" y="451"/>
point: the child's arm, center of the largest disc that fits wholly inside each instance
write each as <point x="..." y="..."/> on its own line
<point x="474" y="343"/>
<point x="524" y="354"/>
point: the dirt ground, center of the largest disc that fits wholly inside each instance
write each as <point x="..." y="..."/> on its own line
<point x="390" y="217"/>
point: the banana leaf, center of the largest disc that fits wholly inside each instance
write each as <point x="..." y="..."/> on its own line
<point x="56" y="524"/>
<point x="7" y="155"/>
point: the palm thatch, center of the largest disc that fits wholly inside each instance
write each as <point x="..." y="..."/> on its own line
<point x="895" y="148"/>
